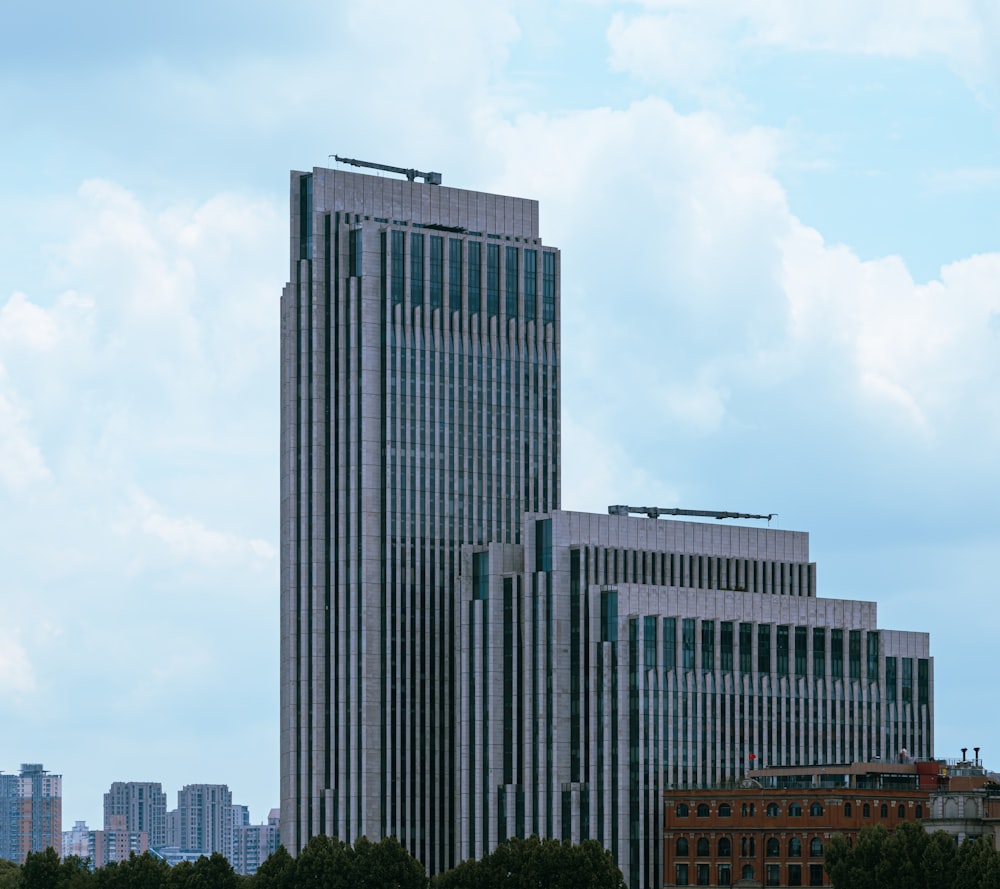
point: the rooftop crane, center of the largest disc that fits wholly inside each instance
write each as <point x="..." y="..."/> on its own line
<point x="411" y="174"/>
<point x="654" y="512"/>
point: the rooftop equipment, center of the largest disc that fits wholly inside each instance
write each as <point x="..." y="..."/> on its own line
<point x="654" y="512"/>
<point x="411" y="174"/>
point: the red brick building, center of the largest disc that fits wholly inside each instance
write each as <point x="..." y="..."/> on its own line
<point x="773" y="829"/>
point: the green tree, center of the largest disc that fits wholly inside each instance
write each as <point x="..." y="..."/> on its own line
<point x="902" y="858"/>
<point x="992" y="876"/>
<point x="40" y="870"/>
<point x="857" y="867"/>
<point x="75" y="873"/>
<point x="213" y="872"/>
<point x="537" y="864"/>
<point x="837" y="861"/>
<point x="277" y="872"/>
<point x="973" y="863"/>
<point x="323" y="863"/>
<point x="180" y="875"/>
<point x="596" y="868"/>
<point x="109" y="877"/>
<point x="467" y="875"/>
<point x="147" y="871"/>
<point x="940" y="861"/>
<point x="386" y="865"/>
<point x="10" y="875"/>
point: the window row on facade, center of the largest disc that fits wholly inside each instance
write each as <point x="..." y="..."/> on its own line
<point x="748" y="647"/>
<point x="794" y="810"/>
<point x="747" y="847"/>
<point x="765" y="648"/>
<point x="609" y="566"/>
<point x="794" y="874"/>
<point x="508" y="280"/>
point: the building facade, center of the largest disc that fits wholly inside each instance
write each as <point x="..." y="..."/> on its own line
<point x="30" y="812"/>
<point x="115" y="842"/>
<point x="462" y="661"/>
<point x="203" y="820"/>
<point x="253" y="843"/>
<point x="966" y="805"/>
<point x="772" y="829"/>
<point x="142" y="805"/>
<point x="610" y="658"/>
<point x="76" y="841"/>
<point x="420" y="413"/>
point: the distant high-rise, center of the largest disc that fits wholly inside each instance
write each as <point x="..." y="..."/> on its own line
<point x="142" y="804"/>
<point x="76" y="841"/>
<point x="252" y="843"/>
<point x="30" y="812"/>
<point x="203" y="819"/>
<point x="115" y="842"/>
<point x="420" y="413"/>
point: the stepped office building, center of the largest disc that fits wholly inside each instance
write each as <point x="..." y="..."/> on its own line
<point x="462" y="661"/>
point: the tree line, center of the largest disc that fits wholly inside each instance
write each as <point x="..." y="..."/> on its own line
<point x="326" y="863"/>
<point x="911" y="858"/>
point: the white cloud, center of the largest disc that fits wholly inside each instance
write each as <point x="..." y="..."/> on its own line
<point x="669" y="48"/>
<point x="598" y="471"/>
<point x="21" y="461"/>
<point x="702" y="289"/>
<point x="964" y="179"/>
<point x="23" y="323"/>
<point x="189" y="538"/>
<point x="689" y="44"/>
<point x="928" y="348"/>
<point x="17" y="678"/>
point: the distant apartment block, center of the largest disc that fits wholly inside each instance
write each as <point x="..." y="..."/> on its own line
<point x="30" y="812"/>
<point x="76" y="840"/>
<point x="203" y="819"/>
<point x="253" y="843"/>
<point x="115" y="842"/>
<point x="173" y="828"/>
<point x="240" y="815"/>
<point x="142" y="805"/>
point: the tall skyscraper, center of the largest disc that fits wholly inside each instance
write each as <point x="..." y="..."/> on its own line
<point x="420" y="413"/>
<point x="461" y="660"/>
<point x="30" y="812"/>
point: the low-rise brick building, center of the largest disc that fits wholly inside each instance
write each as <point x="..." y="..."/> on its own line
<point x="966" y="805"/>
<point x="772" y="828"/>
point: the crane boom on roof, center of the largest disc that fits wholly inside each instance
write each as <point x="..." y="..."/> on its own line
<point x="409" y="173"/>
<point x="654" y="512"/>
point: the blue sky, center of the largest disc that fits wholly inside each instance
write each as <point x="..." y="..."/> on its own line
<point x="781" y="255"/>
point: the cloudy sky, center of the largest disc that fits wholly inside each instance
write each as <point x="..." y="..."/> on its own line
<point x="780" y="226"/>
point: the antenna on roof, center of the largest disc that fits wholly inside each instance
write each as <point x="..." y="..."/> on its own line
<point x="409" y="173"/>
<point x="654" y="512"/>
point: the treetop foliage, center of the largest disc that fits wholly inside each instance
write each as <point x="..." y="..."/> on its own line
<point x="537" y="864"/>
<point x="326" y="863"/>
<point x="911" y="858"/>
